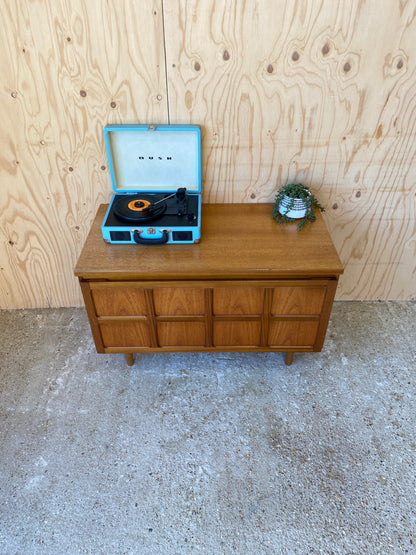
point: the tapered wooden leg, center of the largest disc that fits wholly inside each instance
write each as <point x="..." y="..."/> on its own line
<point x="289" y="358"/>
<point x="129" y="359"/>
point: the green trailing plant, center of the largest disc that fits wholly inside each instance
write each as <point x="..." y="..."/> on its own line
<point x="288" y="194"/>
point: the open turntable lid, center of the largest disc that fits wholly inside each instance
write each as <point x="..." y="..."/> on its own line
<point x="155" y="158"/>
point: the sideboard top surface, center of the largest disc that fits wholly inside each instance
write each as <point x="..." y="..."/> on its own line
<point x="238" y="241"/>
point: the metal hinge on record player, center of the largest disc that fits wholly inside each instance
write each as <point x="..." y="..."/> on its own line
<point x="151" y="230"/>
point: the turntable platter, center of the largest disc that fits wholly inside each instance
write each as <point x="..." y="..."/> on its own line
<point x="130" y="208"/>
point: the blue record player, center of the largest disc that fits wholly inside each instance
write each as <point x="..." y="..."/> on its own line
<point x="156" y="177"/>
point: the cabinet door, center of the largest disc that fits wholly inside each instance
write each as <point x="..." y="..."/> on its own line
<point x="179" y="315"/>
<point x="298" y="314"/>
<point x="237" y="314"/>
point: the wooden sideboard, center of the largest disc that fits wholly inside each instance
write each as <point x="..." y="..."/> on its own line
<point x="249" y="285"/>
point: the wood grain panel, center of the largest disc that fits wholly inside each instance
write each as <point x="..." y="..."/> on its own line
<point x="125" y="334"/>
<point x="119" y="302"/>
<point x="292" y="334"/>
<point x="68" y="68"/>
<point x="238" y="300"/>
<point x="241" y="334"/>
<point x="297" y="300"/>
<point x="318" y="92"/>
<point x="175" y="301"/>
<point x="181" y="334"/>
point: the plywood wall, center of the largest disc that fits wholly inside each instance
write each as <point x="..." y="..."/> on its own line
<point x="322" y="92"/>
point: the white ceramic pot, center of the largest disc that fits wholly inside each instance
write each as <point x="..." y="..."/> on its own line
<point x="297" y="211"/>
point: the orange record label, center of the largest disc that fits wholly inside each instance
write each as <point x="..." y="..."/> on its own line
<point x="138" y="205"/>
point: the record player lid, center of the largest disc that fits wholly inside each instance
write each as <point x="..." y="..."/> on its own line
<point x="154" y="158"/>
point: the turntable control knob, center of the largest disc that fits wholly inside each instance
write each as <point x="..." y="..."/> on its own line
<point x="181" y="193"/>
<point x="191" y="217"/>
<point x="180" y="214"/>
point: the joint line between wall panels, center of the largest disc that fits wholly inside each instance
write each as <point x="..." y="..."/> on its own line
<point x="166" y="62"/>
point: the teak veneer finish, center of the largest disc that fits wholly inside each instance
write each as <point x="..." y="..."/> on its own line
<point x="249" y="285"/>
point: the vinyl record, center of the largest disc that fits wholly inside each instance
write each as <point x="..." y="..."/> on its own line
<point x="135" y="209"/>
<point x="138" y="205"/>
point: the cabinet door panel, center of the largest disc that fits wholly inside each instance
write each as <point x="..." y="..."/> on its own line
<point x="125" y="334"/>
<point x="238" y="300"/>
<point x="297" y="300"/>
<point x="238" y="334"/>
<point x="292" y="334"/>
<point x="120" y="301"/>
<point x="181" y="334"/>
<point x="176" y="301"/>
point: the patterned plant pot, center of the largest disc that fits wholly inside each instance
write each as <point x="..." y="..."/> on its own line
<point x="298" y="209"/>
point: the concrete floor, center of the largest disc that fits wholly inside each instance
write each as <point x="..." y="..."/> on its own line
<point x="202" y="453"/>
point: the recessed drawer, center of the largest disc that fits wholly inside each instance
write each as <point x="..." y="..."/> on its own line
<point x="119" y="301"/>
<point x="297" y="300"/>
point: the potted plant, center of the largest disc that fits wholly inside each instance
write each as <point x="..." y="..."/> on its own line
<point x="295" y="202"/>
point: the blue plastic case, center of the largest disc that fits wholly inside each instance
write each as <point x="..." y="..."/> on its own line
<point x="153" y="159"/>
